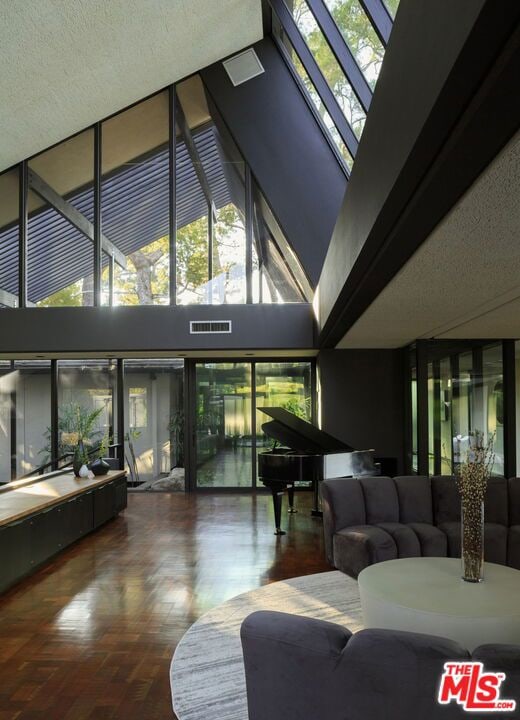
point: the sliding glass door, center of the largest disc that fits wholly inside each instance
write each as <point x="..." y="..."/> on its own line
<point x="223" y="434"/>
<point x="227" y="434"/>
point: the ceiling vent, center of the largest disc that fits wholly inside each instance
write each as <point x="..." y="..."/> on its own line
<point x="209" y="327"/>
<point x="243" y="67"/>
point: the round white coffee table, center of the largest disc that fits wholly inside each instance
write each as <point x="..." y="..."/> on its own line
<point x="427" y="595"/>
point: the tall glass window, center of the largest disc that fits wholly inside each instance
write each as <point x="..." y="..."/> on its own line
<point x="493" y="401"/>
<point x="32" y="406"/>
<point x="154" y="424"/>
<point x="60" y="252"/>
<point x="135" y="203"/>
<point x="9" y="236"/>
<point x="86" y="395"/>
<point x="329" y="66"/>
<point x="210" y="182"/>
<point x="7" y="388"/>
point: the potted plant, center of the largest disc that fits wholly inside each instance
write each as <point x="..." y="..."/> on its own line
<point x="100" y="466"/>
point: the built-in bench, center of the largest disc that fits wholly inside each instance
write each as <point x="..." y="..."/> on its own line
<point x="41" y="516"/>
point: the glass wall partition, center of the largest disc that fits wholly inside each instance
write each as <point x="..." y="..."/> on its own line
<point x="154" y="423"/>
<point x="228" y="423"/>
<point x="32" y="405"/>
<point x="465" y="396"/>
<point x="86" y="402"/>
<point x="7" y="386"/>
<point x="282" y="384"/>
<point x="223" y="425"/>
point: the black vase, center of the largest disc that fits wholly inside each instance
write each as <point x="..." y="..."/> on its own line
<point x="78" y="462"/>
<point x="99" y="466"/>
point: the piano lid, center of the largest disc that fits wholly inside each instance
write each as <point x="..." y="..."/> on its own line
<point x="299" y="434"/>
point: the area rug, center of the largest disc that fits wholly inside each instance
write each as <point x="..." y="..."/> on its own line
<point x="207" y="672"/>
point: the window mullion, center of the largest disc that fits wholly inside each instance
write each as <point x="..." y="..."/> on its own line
<point x="342" y="52"/>
<point x="316" y="76"/>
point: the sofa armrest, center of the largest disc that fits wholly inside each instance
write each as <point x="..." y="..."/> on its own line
<point x="298" y="668"/>
<point x="290" y="665"/>
<point x="343" y="504"/>
<point x="355" y="548"/>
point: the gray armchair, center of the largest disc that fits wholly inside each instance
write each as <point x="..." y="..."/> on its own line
<point x="303" y="669"/>
<point x="371" y="519"/>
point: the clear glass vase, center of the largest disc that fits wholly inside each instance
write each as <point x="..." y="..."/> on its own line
<point x="472" y="539"/>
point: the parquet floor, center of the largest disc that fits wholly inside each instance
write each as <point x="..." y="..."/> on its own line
<point x="91" y="635"/>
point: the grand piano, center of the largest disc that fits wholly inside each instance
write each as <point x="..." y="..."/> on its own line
<point x="305" y="454"/>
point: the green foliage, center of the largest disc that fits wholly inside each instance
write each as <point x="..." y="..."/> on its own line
<point x="70" y="296"/>
<point x="76" y="425"/>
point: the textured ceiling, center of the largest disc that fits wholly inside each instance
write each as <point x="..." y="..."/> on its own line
<point x="464" y="281"/>
<point x="65" y="64"/>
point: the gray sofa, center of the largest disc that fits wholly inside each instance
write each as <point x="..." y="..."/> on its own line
<point x="303" y="669"/>
<point x="371" y="519"/>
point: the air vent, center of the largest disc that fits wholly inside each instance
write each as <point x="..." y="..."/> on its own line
<point x="243" y="67"/>
<point x="208" y="327"/>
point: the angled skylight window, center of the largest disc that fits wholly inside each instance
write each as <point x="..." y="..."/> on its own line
<point x="391" y="6"/>
<point x="329" y="66"/>
<point x="314" y="96"/>
<point x="360" y="36"/>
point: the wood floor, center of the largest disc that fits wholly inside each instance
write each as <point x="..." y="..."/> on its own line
<point x="91" y="636"/>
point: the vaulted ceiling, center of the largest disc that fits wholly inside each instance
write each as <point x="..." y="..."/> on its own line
<point x="64" y="65"/>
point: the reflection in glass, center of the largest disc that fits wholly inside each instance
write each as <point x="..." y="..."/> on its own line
<point x="282" y="384"/>
<point x="223" y="425"/>
<point x="360" y="36"/>
<point x="154" y="424"/>
<point x="329" y="66"/>
<point x="9" y="183"/>
<point x="135" y="202"/>
<point x="60" y="257"/>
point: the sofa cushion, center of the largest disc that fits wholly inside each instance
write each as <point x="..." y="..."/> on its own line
<point x="433" y="541"/>
<point x="495" y="541"/>
<point x="357" y="547"/>
<point x="381" y="504"/>
<point x="446" y="499"/>
<point x="415" y="498"/>
<point x="343" y="505"/>
<point x="513" y="547"/>
<point x="406" y="541"/>
<point x="514" y="501"/>
<point x="496" y="501"/>
<point x="452" y="532"/>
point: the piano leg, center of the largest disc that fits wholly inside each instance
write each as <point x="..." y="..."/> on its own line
<point x="290" y="493"/>
<point x="277" y="505"/>
<point x="316" y="512"/>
